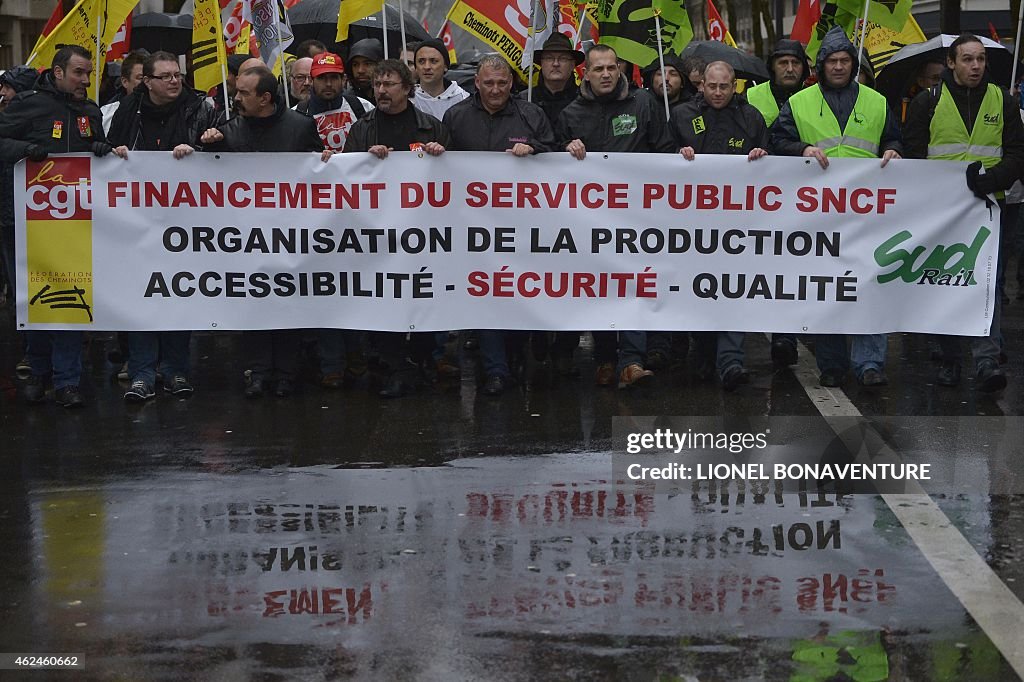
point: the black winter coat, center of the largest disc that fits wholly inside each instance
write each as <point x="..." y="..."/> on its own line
<point x="553" y="103"/>
<point x="625" y="121"/>
<point x="473" y="128"/>
<point x="285" y="130"/>
<point x="30" y="119"/>
<point x="916" y="133"/>
<point x="738" y="128"/>
<point x="194" y="117"/>
<point x="363" y="134"/>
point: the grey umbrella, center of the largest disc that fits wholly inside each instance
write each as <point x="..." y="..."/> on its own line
<point x="319" y="19"/>
<point x="745" y="65"/>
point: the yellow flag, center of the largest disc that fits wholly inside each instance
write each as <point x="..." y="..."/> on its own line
<point x="79" y="28"/>
<point x="882" y="43"/>
<point x="209" y="57"/>
<point x="242" y="46"/>
<point x="354" y="10"/>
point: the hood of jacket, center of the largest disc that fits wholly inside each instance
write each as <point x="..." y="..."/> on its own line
<point x="789" y="48"/>
<point x="834" y="41"/>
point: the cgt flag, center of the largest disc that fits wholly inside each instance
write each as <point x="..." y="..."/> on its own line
<point x="717" y="30"/>
<point x="209" y="55"/>
<point x="627" y="26"/>
<point x="449" y="42"/>
<point x="78" y="27"/>
<point x="502" y="25"/>
<point x="354" y="10"/>
<point x="807" y="16"/>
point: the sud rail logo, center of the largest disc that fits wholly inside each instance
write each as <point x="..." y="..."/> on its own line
<point x="951" y="265"/>
<point x="58" y="229"/>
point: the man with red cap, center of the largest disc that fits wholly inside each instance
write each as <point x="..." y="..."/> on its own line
<point x="333" y="109"/>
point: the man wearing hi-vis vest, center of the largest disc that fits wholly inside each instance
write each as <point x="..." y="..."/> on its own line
<point x="838" y="117"/>
<point x="966" y="118"/>
<point x="788" y="67"/>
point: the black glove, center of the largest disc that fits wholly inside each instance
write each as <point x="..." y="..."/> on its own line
<point x="978" y="182"/>
<point x="36" y="152"/>
<point x="101" y="148"/>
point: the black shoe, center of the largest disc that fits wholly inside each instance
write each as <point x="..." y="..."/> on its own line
<point x="253" y="386"/>
<point x="948" y="374"/>
<point x="179" y="386"/>
<point x="831" y="378"/>
<point x="34" y="390"/>
<point x="68" y="397"/>
<point x="783" y="353"/>
<point x="495" y="385"/>
<point x="656" y="360"/>
<point x="139" y="392"/>
<point x="873" y="377"/>
<point x="733" y="376"/>
<point x="284" y="388"/>
<point x="565" y="366"/>
<point x="704" y="371"/>
<point x="990" y="378"/>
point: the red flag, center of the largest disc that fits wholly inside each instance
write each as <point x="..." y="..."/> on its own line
<point x="449" y="42"/>
<point x="51" y="23"/>
<point x="807" y="16"/>
<point x="994" y="33"/>
<point x="717" y="29"/>
<point x="122" y="41"/>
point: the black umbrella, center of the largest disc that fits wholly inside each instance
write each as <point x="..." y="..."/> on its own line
<point x="319" y="19"/>
<point x="746" y="66"/>
<point x="900" y="73"/>
<point x="161" y="31"/>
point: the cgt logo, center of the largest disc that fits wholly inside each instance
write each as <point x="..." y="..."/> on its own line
<point x="59" y="189"/>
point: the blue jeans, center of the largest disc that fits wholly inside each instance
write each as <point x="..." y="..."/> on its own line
<point x="493" y="352"/>
<point x="730" y="350"/>
<point x="632" y="349"/>
<point x="867" y="351"/>
<point x="145" y="349"/>
<point x="57" y="352"/>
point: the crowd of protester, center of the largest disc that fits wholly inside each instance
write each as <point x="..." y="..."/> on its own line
<point x="367" y="104"/>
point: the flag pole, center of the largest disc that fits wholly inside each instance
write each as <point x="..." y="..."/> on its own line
<point x="661" y="62"/>
<point x="224" y="88"/>
<point x="863" y="34"/>
<point x="99" y="39"/>
<point x="384" y="27"/>
<point x="1016" y="47"/>
<point x="446" y="18"/>
<point x="533" y="49"/>
<point x="280" y="55"/>
<point x="401" y="23"/>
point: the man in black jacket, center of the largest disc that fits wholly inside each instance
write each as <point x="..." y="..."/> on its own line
<point x="721" y="123"/>
<point x="264" y="124"/>
<point x="610" y="117"/>
<point x="492" y="121"/>
<point x="962" y="99"/>
<point x="55" y="117"/>
<point x="397" y="125"/>
<point x="557" y="88"/>
<point x="362" y="59"/>
<point x="161" y="115"/>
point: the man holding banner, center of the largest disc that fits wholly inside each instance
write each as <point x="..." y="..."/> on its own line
<point x="967" y="118"/>
<point x="838" y="117"/>
<point x="55" y="117"/>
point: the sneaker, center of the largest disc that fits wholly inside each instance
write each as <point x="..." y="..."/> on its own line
<point x="23" y="369"/>
<point x="783" y="353"/>
<point x="34" y="390"/>
<point x="495" y="385"/>
<point x="139" y="392"/>
<point x="122" y="374"/>
<point x="990" y="378"/>
<point x="178" y="385"/>
<point x="733" y="376"/>
<point x="605" y="374"/>
<point x="873" y="377"/>
<point x="634" y="375"/>
<point x="948" y="374"/>
<point x="68" y="397"/>
<point x="832" y="378"/>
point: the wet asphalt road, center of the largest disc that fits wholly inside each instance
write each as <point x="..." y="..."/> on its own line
<point x="454" y="536"/>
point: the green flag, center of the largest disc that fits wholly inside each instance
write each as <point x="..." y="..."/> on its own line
<point x="831" y="15"/>
<point x="889" y="13"/>
<point x="627" y="26"/>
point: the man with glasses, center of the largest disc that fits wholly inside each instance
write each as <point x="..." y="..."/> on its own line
<point x="396" y="125"/>
<point x="557" y="87"/>
<point x="162" y="116"/>
<point x="300" y="80"/>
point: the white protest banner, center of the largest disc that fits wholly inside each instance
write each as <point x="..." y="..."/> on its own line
<point x="477" y="241"/>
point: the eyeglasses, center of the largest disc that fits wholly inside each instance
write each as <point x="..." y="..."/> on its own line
<point x="556" y="59"/>
<point x="305" y="78"/>
<point x="168" y="77"/>
<point x="387" y="84"/>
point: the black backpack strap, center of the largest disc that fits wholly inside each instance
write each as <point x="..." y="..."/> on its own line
<point x="357" y="107"/>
